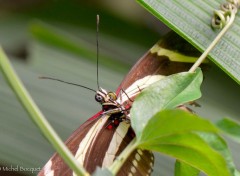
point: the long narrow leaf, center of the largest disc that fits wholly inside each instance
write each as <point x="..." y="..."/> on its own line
<point x="37" y="116"/>
<point x="192" y="20"/>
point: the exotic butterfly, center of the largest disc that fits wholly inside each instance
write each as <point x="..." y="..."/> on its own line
<point x="99" y="140"/>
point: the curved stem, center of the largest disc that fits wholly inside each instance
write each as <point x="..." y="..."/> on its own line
<point x="212" y="45"/>
<point x="119" y="161"/>
<point x="37" y="116"/>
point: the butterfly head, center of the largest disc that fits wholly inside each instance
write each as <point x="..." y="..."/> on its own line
<point x="102" y="96"/>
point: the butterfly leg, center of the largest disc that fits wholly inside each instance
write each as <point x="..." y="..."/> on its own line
<point x="127" y="95"/>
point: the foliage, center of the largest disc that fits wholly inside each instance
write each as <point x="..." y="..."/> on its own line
<point x="207" y="143"/>
<point x="191" y="20"/>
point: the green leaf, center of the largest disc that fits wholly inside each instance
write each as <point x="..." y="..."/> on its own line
<point x="167" y="93"/>
<point x="218" y="144"/>
<point x="192" y="20"/>
<point x="172" y="132"/>
<point x="169" y="122"/>
<point x="191" y="149"/>
<point x="174" y="137"/>
<point x="230" y="128"/>
<point x="183" y="169"/>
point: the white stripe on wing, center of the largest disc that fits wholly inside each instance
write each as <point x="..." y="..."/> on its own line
<point x="116" y="141"/>
<point x="141" y="84"/>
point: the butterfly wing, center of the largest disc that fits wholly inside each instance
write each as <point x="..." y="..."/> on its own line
<point x="170" y="55"/>
<point x="93" y="144"/>
<point x="56" y="166"/>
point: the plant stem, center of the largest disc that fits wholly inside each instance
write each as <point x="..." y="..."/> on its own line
<point x="213" y="44"/>
<point x="119" y="161"/>
<point x="37" y="116"/>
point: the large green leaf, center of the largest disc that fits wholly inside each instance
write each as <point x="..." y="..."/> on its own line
<point x="167" y="93"/>
<point x="172" y="132"/>
<point x="168" y="122"/>
<point x="193" y="150"/>
<point x="192" y="20"/>
<point x="218" y="144"/>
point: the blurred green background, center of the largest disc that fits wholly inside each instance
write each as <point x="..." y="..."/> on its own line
<point x="58" y="39"/>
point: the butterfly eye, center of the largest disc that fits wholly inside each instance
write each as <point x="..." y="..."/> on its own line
<point x="112" y="96"/>
<point x="98" y="98"/>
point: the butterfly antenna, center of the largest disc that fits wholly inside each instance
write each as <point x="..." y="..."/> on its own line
<point x="97" y="50"/>
<point x="44" y="77"/>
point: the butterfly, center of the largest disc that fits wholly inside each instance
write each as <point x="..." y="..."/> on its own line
<point x="100" y="140"/>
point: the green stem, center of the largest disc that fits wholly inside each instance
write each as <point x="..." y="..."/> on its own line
<point x="212" y="45"/>
<point x="37" y="116"/>
<point x="119" y="161"/>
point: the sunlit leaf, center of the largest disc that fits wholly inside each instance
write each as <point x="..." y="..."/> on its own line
<point x="183" y="169"/>
<point x="218" y="144"/>
<point x="169" y="122"/>
<point x="191" y="149"/>
<point x="165" y="94"/>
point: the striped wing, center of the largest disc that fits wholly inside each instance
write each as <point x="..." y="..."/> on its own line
<point x="56" y="166"/>
<point x="156" y="63"/>
<point x="93" y="144"/>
